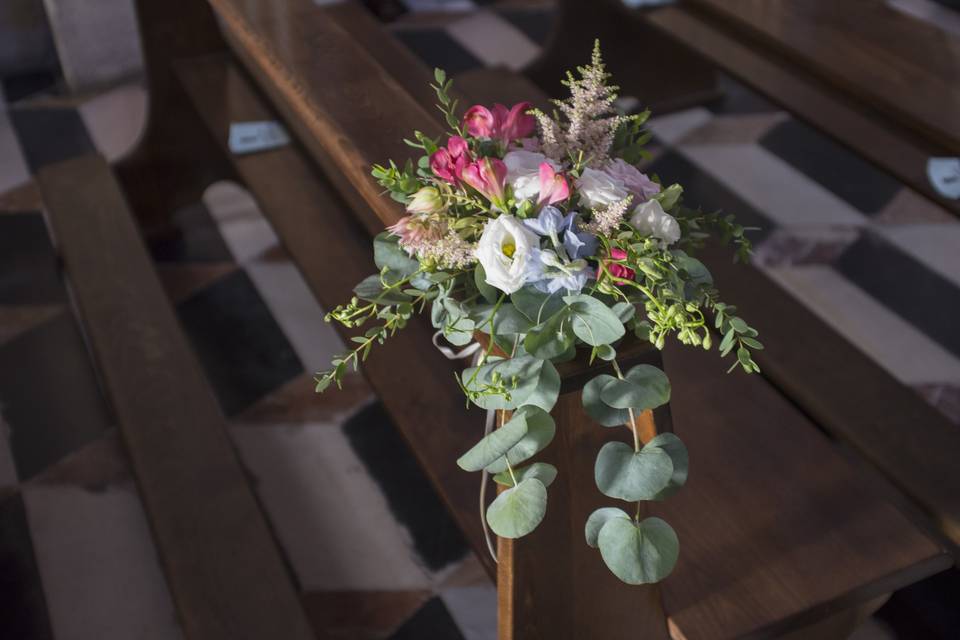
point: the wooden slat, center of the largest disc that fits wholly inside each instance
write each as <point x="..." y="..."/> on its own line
<point x="881" y="141"/>
<point x="849" y="394"/>
<point x="775" y="585"/>
<point x="225" y="573"/>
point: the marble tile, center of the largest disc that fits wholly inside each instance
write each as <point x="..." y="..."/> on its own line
<point x="23" y="608"/>
<point x="241" y="347"/>
<point x="13" y="164"/>
<point x="17" y="87"/>
<point x="924" y="298"/>
<point x="101" y="574"/>
<point x="199" y="239"/>
<point x="493" y="40"/>
<point x="433" y="621"/>
<point x="436" y="48"/>
<point x="937" y="246"/>
<point x="411" y="497"/>
<point x="298" y="402"/>
<point x="736" y="128"/>
<point x="835" y="167"/>
<point x="535" y="22"/>
<point x="96" y="467"/>
<point x="115" y="119"/>
<point x="242" y="225"/>
<point x="803" y="245"/>
<point x="361" y="615"/>
<point x="28" y="267"/>
<point x="672" y="127"/>
<point x="772" y="186"/>
<point x="945" y="397"/>
<point x="49" y="395"/>
<point x="331" y="519"/>
<point x="48" y="136"/>
<point x="474" y="609"/>
<point x="738" y="98"/>
<point x="891" y="341"/>
<point x="909" y="207"/>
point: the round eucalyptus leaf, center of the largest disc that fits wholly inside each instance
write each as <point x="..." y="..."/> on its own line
<point x="624" y="310"/>
<point x="536" y="305"/>
<point x="371" y="290"/>
<point x="606" y="352"/>
<point x="643" y="387"/>
<point x="540" y="431"/>
<point x="488" y="292"/>
<point x="592" y="321"/>
<point x="597" y="409"/>
<point x="494" y="445"/>
<point x="542" y="471"/>
<point x="517" y="511"/>
<point x="550" y="339"/>
<point x="641" y="553"/>
<point x="677" y="451"/>
<point x="599" y="518"/>
<point x="525" y="370"/>
<point x="387" y="253"/>
<point x="547" y="389"/>
<point x="631" y="475"/>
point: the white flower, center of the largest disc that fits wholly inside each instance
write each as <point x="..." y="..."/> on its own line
<point x="650" y="219"/>
<point x="504" y="251"/>
<point x="598" y="189"/>
<point x="523" y="172"/>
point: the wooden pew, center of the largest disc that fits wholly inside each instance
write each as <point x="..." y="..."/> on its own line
<point x="295" y="53"/>
<point x="226" y="576"/>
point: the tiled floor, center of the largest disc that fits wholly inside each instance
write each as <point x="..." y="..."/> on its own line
<point x="76" y="560"/>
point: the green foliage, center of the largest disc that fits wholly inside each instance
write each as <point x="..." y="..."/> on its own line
<point x="643" y="387"/>
<point x="542" y="471"/>
<point x="399" y="183"/>
<point x="495" y="445"/>
<point x="518" y="510"/>
<point x="540" y="431"/>
<point x="638" y="552"/>
<point x="626" y="474"/>
<point x="597" y="519"/>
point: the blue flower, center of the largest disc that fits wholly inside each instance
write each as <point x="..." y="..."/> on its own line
<point x="550" y="273"/>
<point x="551" y="222"/>
<point x="579" y="244"/>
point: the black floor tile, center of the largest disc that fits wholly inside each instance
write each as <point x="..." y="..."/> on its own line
<point x="28" y="265"/>
<point x="432" y="621"/>
<point x="838" y="169"/>
<point x="199" y="239"/>
<point x="23" y="608"/>
<point x="919" y="295"/>
<point x="409" y="493"/>
<point x="49" y="395"/>
<point x="241" y="346"/>
<point x="738" y="98"/>
<point x="703" y="191"/>
<point x="20" y="86"/>
<point x="536" y="24"/>
<point x="927" y="609"/>
<point x="50" y="135"/>
<point x="437" y="49"/>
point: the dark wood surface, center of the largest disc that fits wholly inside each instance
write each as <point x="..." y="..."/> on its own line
<point x="904" y="67"/>
<point x="704" y="605"/>
<point x="225" y="573"/>
<point x="887" y="142"/>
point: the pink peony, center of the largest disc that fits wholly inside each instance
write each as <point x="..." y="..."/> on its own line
<point x="635" y="182"/>
<point x="447" y="163"/>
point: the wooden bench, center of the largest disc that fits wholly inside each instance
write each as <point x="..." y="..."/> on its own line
<point x="791" y="554"/>
<point x="227" y="579"/>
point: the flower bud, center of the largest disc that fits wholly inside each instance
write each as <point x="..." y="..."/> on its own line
<point x="426" y="200"/>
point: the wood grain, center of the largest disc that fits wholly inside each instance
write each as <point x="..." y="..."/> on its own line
<point x="225" y="573"/>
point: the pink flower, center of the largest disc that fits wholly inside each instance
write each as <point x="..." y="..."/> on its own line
<point x="615" y="269"/>
<point x="486" y="175"/>
<point x="417" y="230"/>
<point x="618" y="254"/>
<point x="635" y="182"/>
<point x="447" y="163"/>
<point x="553" y="186"/>
<point x="500" y="124"/>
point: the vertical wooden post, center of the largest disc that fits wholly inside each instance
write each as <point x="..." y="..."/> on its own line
<point x="551" y="585"/>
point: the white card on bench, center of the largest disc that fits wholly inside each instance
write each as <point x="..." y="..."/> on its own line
<point x="249" y="137"/>
<point x="944" y="174"/>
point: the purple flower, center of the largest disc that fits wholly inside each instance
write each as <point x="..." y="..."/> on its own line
<point x="635" y="182"/>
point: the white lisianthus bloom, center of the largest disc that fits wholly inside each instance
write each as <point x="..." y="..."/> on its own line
<point x="504" y="251"/>
<point x="650" y="219"/>
<point x="523" y="172"/>
<point x="599" y="189"/>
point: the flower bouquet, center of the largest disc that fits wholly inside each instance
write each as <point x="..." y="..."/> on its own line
<point x="536" y="236"/>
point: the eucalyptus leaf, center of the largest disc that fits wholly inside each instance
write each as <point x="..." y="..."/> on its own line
<point x="592" y="321"/>
<point x="388" y="253"/>
<point x="643" y="387"/>
<point x="547" y="389"/>
<point x="550" y="339"/>
<point x="371" y="290"/>
<point x="518" y="510"/>
<point x="537" y="305"/>
<point x="508" y="320"/>
<point x="488" y="292"/>
<point x="525" y="370"/>
<point x="679" y="457"/>
<point x="621" y="472"/>
<point x="599" y="518"/>
<point x="641" y="553"/>
<point x="624" y="310"/>
<point x="542" y="471"/>
<point x="540" y="432"/>
<point x="597" y="409"/>
<point x="494" y="445"/>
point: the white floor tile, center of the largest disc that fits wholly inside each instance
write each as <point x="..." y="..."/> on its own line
<point x="494" y="41"/>
<point x="242" y="225"/>
<point x="100" y="572"/>
<point x="297" y="311"/>
<point x="935" y="245"/>
<point x="772" y="186"/>
<point x="894" y="343"/>
<point x="674" y="126"/>
<point x="474" y="609"/>
<point x="13" y="166"/>
<point x="115" y="119"/>
<point x="332" y="520"/>
<point x="439" y="5"/>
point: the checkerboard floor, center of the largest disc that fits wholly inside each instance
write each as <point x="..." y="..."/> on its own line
<point x="871" y="257"/>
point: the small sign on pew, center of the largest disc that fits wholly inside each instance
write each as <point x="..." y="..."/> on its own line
<point x="944" y="175"/>
<point x="250" y="137"/>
